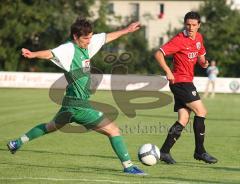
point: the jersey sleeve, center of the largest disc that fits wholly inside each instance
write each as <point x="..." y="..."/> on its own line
<point x="63" y="55"/>
<point x="202" y="51"/>
<point x="171" y="47"/>
<point x="96" y="43"/>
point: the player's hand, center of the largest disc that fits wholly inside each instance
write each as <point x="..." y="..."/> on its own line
<point x="205" y="64"/>
<point x="27" y="53"/>
<point x="133" y="27"/>
<point x="170" y="77"/>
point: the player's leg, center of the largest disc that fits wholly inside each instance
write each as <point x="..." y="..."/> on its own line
<point x="198" y="124"/>
<point x="113" y="132"/>
<point x="33" y="133"/>
<point x="95" y="120"/>
<point x="179" y="93"/>
<point x="183" y="116"/>
<point x="38" y="131"/>
<point x="173" y="135"/>
<point x="197" y="107"/>
<point x="199" y="130"/>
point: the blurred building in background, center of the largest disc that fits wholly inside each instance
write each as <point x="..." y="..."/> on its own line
<point x="158" y="16"/>
<point x="235" y="4"/>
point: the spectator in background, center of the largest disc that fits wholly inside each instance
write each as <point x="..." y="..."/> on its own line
<point x="212" y="72"/>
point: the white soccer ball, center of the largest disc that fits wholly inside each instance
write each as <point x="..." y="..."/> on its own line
<point x="149" y="154"/>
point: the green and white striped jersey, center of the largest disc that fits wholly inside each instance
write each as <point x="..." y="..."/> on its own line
<point x="75" y="61"/>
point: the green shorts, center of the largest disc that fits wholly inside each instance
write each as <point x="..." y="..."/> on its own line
<point x="86" y="116"/>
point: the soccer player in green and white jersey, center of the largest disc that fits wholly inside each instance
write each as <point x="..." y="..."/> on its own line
<point x="74" y="57"/>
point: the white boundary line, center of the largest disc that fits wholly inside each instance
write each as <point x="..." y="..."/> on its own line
<point x="90" y="180"/>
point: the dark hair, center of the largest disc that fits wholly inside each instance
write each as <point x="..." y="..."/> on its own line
<point x="81" y="27"/>
<point x="192" y="15"/>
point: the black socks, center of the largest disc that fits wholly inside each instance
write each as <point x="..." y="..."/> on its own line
<point x="173" y="135"/>
<point x="199" y="131"/>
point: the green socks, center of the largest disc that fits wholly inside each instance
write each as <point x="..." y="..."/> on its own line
<point x="35" y="132"/>
<point x="121" y="150"/>
<point x="117" y="143"/>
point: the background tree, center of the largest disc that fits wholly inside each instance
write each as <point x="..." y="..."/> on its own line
<point x="134" y="45"/>
<point x="35" y="24"/>
<point x="221" y="30"/>
<point x="38" y="25"/>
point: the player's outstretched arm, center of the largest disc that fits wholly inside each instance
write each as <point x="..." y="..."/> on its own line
<point x="44" y="54"/>
<point x="129" y="29"/>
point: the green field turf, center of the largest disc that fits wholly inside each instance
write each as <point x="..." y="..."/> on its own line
<point x="88" y="157"/>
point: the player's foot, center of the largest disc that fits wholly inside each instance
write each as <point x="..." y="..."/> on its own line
<point x="13" y="146"/>
<point x="134" y="170"/>
<point x="167" y="158"/>
<point x="205" y="157"/>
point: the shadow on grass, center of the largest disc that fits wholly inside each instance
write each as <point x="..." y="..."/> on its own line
<point x="211" y="166"/>
<point x="65" y="154"/>
<point x="80" y="169"/>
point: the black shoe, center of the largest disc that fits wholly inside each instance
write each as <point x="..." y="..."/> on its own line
<point x="205" y="157"/>
<point x="167" y="158"/>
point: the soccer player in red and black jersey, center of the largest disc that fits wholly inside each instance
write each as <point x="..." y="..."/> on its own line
<point x="187" y="49"/>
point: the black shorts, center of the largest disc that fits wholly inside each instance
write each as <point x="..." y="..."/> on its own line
<point x="184" y="92"/>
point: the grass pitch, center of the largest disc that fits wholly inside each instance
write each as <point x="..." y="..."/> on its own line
<point x="88" y="158"/>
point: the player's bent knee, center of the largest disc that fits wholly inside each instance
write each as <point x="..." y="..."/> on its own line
<point x="183" y="118"/>
<point x="51" y="127"/>
<point x="201" y="112"/>
<point x="114" y="132"/>
<point x="109" y="130"/>
<point x="183" y="121"/>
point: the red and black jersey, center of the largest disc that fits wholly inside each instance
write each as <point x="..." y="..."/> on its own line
<point x="185" y="53"/>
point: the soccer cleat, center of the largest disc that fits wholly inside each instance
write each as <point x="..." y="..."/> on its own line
<point x="13" y="146"/>
<point x="167" y="158"/>
<point x="134" y="170"/>
<point x="205" y="157"/>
